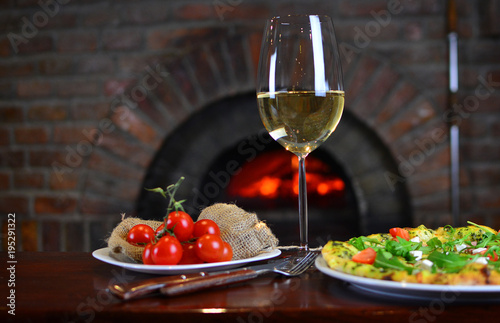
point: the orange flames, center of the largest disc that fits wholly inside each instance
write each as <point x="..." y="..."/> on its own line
<point x="275" y="175"/>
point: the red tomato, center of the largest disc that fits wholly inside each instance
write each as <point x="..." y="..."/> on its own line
<point x="167" y="251"/>
<point x="160" y="228"/>
<point x="181" y="223"/>
<point x="146" y="255"/>
<point x="209" y="247"/>
<point x="398" y="232"/>
<point x="227" y="252"/>
<point x="140" y="234"/>
<point x="493" y="257"/>
<point x="205" y="226"/>
<point x="366" y="256"/>
<point x="189" y="256"/>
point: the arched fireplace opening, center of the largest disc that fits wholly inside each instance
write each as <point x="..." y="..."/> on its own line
<point x="225" y="140"/>
<point x="271" y="181"/>
<point x="267" y="184"/>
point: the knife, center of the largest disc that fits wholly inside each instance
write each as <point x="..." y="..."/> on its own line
<point x="174" y="285"/>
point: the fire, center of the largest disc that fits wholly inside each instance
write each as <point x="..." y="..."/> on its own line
<point x="326" y="187"/>
<point x="323" y="188"/>
<point x="269" y="186"/>
<point x="320" y="184"/>
<point x="274" y="175"/>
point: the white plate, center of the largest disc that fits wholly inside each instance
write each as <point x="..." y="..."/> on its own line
<point x="446" y="293"/>
<point x="103" y="255"/>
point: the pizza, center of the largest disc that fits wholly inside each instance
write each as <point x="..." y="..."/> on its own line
<point x="466" y="255"/>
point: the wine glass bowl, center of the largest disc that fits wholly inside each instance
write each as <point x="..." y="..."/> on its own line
<point x="306" y="124"/>
<point x="300" y="89"/>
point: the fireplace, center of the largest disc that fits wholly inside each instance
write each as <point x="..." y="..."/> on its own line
<point x="100" y="103"/>
<point x="271" y="180"/>
<point x="389" y="150"/>
<point x="268" y="185"/>
<point x="199" y="120"/>
<point x="225" y="155"/>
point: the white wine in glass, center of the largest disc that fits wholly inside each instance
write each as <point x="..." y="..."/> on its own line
<point x="300" y="90"/>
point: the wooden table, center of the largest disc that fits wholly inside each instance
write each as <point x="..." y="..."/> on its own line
<point x="66" y="287"/>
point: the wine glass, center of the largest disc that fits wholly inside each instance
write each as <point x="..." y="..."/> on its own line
<point x="300" y="90"/>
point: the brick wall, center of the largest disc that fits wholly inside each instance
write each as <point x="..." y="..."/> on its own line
<point x="89" y="91"/>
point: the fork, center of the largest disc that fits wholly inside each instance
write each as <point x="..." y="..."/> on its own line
<point x="182" y="284"/>
<point x="293" y="266"/>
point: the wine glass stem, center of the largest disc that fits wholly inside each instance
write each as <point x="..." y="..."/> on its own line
<point x="303" y="222"/>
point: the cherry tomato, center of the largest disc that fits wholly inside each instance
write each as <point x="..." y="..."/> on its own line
<point x="227" y="252"/>
<point x="366" y="256"/>
<point x="182" y="224"/>
<point x="189" y="256"/>
<point x="146" y="255"/>
<point x="205" y="226"/>
<point x="167" y="251"/>
<point x="140" y="234"/>
<point x="209" y="247"/>
<point x="158" y="230"/>
<point x="492" y="256"/>
<point x="398" y="232"/>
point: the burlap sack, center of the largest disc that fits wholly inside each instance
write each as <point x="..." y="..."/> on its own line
<point x="242" y="230"/>
<point x="117" y="242"/>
